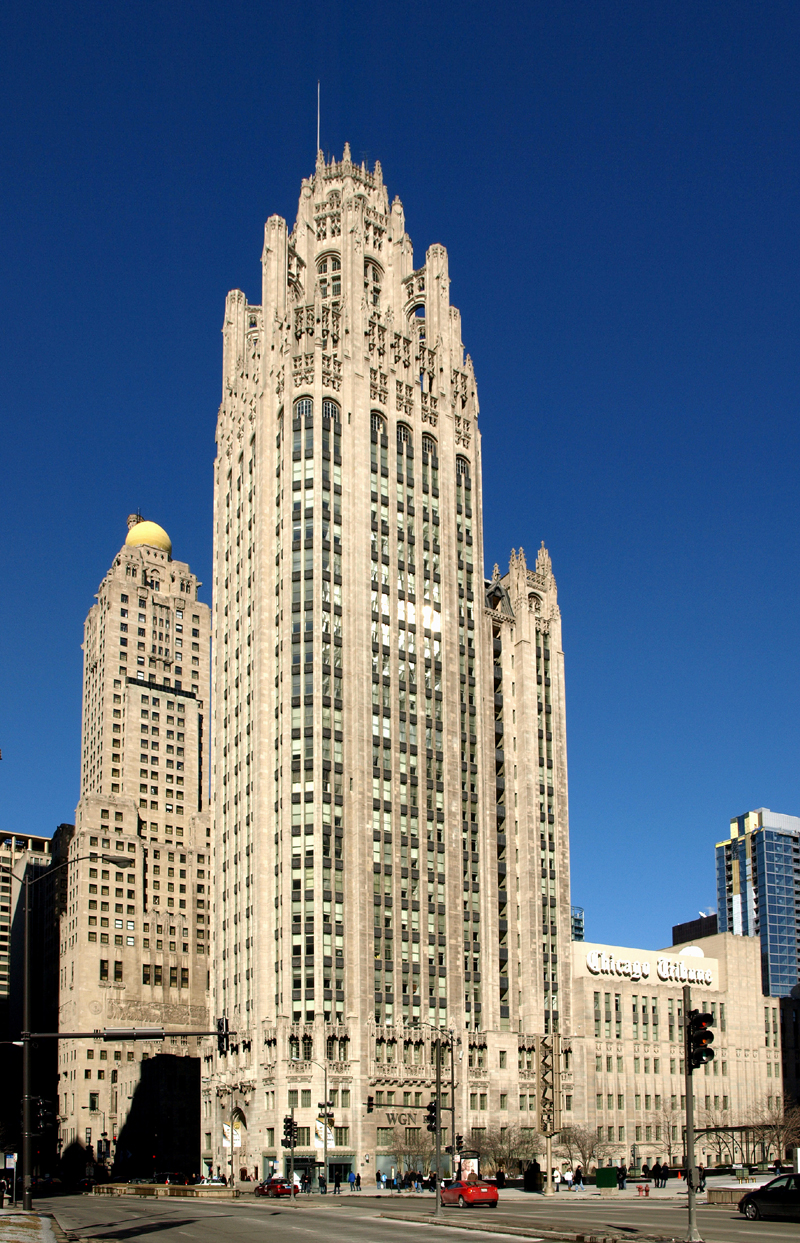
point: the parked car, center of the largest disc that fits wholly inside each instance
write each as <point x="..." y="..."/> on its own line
<point x="465" y="1193"/>
<point x="214" y="1180"/>
<point x="275" y="1187"/>
<point x="778" y="1198"/>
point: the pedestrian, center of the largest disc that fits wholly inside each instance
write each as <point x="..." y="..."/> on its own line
<point x="351" y="1178"/>
<point x="577" y="1178"/>
<point x="337" y="1184"/>
<point x="622" y="1176"/>
<point x="568" y="1176"/>
<point x="646" y="1172"/>
<point x="358" y="1182"/>
<point x="656" y="1173"/>
<point x="557" y="1178"/>
<point x="323" y="1184"/>
<point x="777" y="1167"/>
<point x="701" y="1177"/>
<point x="665" y="1173"/>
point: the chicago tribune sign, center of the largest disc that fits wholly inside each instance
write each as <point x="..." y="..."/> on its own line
<point x="602" y="963"/>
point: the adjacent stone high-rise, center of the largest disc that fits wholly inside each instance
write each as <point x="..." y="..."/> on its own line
<point x="134" y="935"/>
<point x="389" y="781"/>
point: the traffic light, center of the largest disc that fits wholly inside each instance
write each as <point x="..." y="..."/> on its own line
<point x="433" y="1116"/>
<point x="699" y="1038"/>
<point x="44" y="1115"/>
<point x="223" y="1039"/>
<point x="370" y="1104"/>
<point x="459" y="1142"/>
<point x="289" y="1132"/>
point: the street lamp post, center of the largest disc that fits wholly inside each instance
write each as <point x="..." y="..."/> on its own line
<point x="325" y="1106"/>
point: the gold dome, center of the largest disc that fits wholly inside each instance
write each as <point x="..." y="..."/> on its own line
<point x="149" y="533"/>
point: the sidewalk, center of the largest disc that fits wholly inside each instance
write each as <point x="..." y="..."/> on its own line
<point x="19" y="1227"/>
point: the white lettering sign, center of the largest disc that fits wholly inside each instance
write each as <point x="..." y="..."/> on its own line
<point x="600" y="962"/>
<point x="606" y="964"/>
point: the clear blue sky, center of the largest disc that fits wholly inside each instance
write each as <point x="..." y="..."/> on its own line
<point x="617" y="186"/>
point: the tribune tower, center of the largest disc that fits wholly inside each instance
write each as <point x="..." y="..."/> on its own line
<point x="389" y="783"/>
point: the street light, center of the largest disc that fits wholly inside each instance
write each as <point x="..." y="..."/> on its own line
<point x="103" y="1133"/>
<point x="325" y="1106"/>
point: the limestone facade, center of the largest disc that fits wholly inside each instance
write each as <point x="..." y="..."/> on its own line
<point x="389" y="781"/>
<point x="134" y="929"/>
<point x="627" y="1045"/>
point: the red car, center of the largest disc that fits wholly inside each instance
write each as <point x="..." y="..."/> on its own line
<point x="464" y="1193"/>
<point x="275" y="1187"/>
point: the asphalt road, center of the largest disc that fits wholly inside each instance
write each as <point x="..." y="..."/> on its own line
<point x="372" y="1219"/>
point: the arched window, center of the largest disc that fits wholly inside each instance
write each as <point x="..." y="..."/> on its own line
<point x="403" y="434"/>
<point x="330" y="412"/>
<point x="429" y="445"/>
<point x="329" y="271"/>
<point x="308" y="1048"/>
<point x="373" y="279"/>
<point x="294" y="1049"/>
<point x="462" y="466"/>
<point x="377" y="422"/>
<point x="303" y="407"/>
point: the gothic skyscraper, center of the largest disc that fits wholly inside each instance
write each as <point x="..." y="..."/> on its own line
<point x="389" y="785"/>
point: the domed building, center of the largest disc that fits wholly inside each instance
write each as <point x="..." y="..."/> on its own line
<point x="144" y="779"/>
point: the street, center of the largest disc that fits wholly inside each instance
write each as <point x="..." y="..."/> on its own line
<point x="385" y="1219"/>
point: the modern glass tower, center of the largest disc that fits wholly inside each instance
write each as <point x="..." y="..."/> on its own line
<point x="758" y="892"/>
<point x="389" y="782"/>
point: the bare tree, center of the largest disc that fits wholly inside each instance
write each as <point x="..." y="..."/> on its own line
<point x="721" y="1141"/>
<point x="582" y="1144"/>
<point x="777" y="1126"/>
<point x="412" y="1148"/>
<point x="671" y="1121"/>
<point x="502" y="1148"/>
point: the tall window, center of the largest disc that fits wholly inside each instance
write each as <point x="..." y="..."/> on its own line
<point x="329" y="271"/>
<point x="462" y="466"/>
<point x="330" y="412"/>
<point x="303" y="407"/>
<point x="373" y="278"/>
<point x="403" y="434"/>
<point x="377" y="422"/>
<point x="429" y="445"/>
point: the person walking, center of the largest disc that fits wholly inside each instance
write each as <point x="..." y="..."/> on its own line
<point x="665" y="1172"/>
<point x="557" y="1178"/>
<point x="622" y="1176"/>
<point x="577" y="1178"/>
<point x="701" y="1177"/>
<point x="351" y="1178"/>
<point x="646" y="1172"/>
<point x="656" y="1173"/>
<point x="358" y="1182"/>
<point x="323" y="1184"/>
<point x="337" y="1183"/>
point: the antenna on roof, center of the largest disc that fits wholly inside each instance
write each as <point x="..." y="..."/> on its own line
<point x="317" y="151"/>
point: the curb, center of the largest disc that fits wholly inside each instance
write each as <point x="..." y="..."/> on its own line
<point x="532" y="1231"/>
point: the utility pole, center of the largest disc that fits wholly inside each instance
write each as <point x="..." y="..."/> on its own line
<point x="27" y="1136"/>
<point x="693" y="1235"/>
<point x="438" y="1132"/>
<point x="291" y="1161"/>
<point x="696" y="1053"/>
<point x="233" y="1112"/>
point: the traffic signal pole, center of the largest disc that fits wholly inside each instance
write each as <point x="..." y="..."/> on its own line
<point x="693" y="1235"/>
<point x="696" y="1053"/>
<point x="27" y="1120"/>
<point x="438" y="1132"/>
